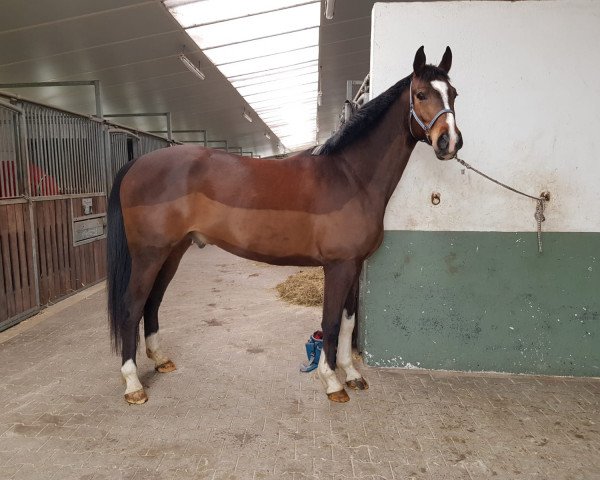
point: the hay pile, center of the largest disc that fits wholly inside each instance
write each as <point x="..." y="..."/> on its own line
<point x="303" y="288"/>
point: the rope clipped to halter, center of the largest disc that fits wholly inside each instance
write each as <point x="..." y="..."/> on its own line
<point x="540" y="201"/>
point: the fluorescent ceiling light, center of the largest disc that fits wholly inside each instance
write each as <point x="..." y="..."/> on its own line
<point x="191" y="67"/>
<point x="329" y="8"/>
<point x="268" y="50"/>
<point x="247" y="116"/>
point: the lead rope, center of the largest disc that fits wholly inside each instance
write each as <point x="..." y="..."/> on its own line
<point x="539" y="209"/>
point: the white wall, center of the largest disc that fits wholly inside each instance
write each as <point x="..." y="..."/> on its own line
<point x="528" y="75"/>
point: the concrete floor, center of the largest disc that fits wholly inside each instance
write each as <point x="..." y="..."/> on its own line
<point x="238" y="408"/>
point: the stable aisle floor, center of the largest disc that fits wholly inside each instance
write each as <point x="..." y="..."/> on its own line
<point x="238" y="407"/>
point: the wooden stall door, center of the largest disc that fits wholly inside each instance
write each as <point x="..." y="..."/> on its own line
<point x="17" y="282"/>
<point x="18" y="297"/>
<point x="64" y="265"/>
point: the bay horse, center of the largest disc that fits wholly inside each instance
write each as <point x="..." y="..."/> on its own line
<point x="308" y="209"/>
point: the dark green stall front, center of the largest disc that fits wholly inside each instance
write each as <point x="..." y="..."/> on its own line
<point x="483" y="301"/>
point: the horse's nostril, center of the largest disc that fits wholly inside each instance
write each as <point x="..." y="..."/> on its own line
<point x="460" y="143"/>
<point x="443" y="142"/>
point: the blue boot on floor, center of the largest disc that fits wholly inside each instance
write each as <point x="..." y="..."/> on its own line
<point x="313" y="351"/>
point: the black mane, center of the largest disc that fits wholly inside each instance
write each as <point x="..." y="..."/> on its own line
<point x="372" y="112"/>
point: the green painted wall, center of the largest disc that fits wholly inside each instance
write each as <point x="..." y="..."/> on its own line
<point x="483" y="301"/>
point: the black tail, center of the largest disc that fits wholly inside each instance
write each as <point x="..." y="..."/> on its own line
<point x="118" y="261"/>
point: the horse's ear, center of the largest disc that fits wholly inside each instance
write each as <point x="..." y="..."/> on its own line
<point x="446" y="62"/>
<point x="419" y="62"/>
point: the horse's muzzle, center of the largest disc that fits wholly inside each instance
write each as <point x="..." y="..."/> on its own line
<point x="442" y="147"/>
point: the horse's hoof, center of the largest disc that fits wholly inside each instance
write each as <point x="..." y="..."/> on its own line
<point x="166" y="367"/>
<point x="136" y="398"/>
<point x="358" y="384"/>
<point x="339" y="397"/>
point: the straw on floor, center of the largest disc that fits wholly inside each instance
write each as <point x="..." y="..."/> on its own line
<point x="303" y="288"/>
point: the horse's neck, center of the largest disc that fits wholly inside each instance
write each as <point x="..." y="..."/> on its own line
<point x="379" y="159"/>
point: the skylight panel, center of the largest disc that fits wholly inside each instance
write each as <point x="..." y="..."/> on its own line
<point x="268" y="50"/>
<point x="266" y="111"/>
<point x="209" y="11"/>
<point x="284" y="94"/>
<point x="279" y="84"/>
<point x="256" y="26"/>
<point x="283" y="71"/>
<point x="263" y="46"/>
<point x="262" y="64"/>
<point x="274" y="78"/>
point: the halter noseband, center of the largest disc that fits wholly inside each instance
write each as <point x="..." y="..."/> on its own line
<point x="426" y="128"/>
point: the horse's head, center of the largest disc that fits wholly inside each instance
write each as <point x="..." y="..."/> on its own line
<point x="432" y="106"/>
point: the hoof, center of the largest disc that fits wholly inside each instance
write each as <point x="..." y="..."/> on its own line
<point x="136" y="398"/>
<point x="166" y="367"/>
<point x="339" y="397"/>
<point x="358" y="384"/>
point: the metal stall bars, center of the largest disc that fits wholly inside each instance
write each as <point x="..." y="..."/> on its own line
<point x="149" y="143"/>
<point x="52" y="216"/>
<point x="124" y="147"/>
<point x="18" y="272"/>
<point x="55" y="170"/>
<point x="67" y="184"/>
<point x="186" y="132"/>
<point x="126" y="144"/>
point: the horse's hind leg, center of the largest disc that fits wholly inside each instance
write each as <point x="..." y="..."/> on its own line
<point x="161" y="361"/>
<point x="339" y="281"/>
<point x="144" y="269"/>
<point x="354" y="379"/>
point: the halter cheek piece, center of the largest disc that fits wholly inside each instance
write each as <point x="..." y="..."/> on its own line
<point x="426" y="127"/>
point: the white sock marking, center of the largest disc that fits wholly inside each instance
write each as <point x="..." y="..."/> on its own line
<point x="327" y="376"/>
<point x="153" y="349"/>
<point x="442" y="88"/>
<point x="344" y="351"/>
<point x="129" y="372"/>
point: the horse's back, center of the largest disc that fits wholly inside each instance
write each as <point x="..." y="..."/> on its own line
<point x="296" y="183"/>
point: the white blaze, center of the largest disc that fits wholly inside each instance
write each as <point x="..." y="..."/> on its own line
<point x="442" y="88"/>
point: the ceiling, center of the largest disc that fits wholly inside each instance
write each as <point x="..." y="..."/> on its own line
<point x="132" y="47"/>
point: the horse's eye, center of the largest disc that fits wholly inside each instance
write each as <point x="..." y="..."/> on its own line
<point x="421" y="96"/>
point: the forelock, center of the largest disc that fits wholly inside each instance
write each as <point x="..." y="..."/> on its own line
<point x="431" y="73"/>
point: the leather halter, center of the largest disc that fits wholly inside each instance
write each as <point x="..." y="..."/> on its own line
<point x="426" y="127"/>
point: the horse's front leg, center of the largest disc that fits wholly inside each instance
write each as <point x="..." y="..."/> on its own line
<point x="339" y="281"/>
<point x="354" y="379"/>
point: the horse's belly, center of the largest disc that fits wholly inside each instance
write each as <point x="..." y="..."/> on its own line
<point x="273" y="233"/>
<point x="336" y="235"/>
